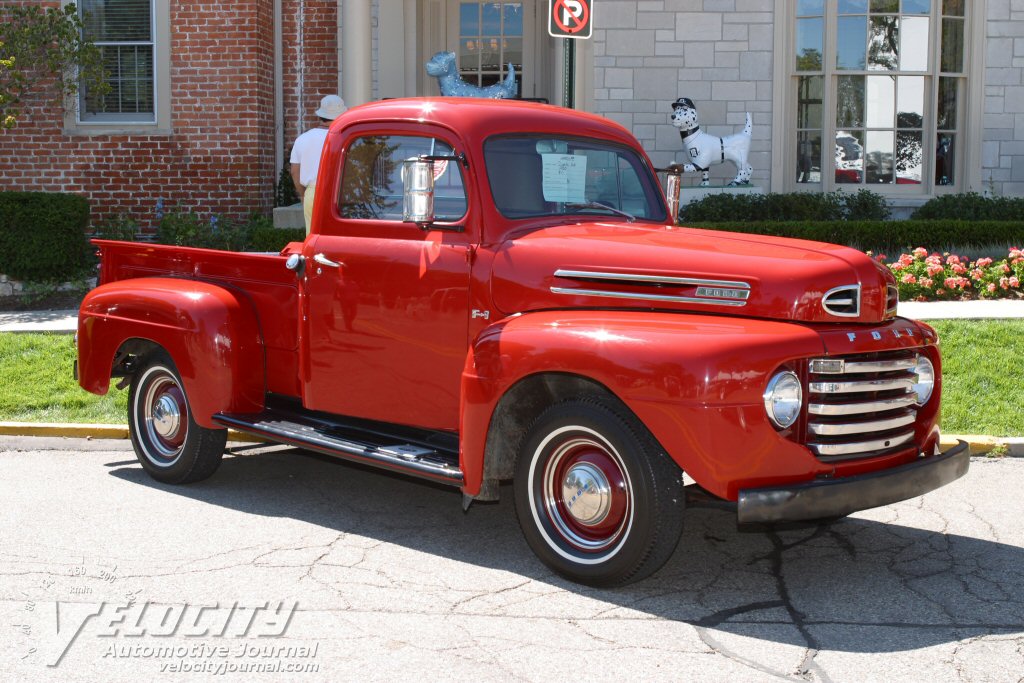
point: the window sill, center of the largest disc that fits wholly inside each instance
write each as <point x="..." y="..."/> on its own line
<point x="93" y="130"/>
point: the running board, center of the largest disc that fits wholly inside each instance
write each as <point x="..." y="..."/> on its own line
<point x="355" y="440"/>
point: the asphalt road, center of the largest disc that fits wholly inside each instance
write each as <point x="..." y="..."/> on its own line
<point x="314" y="570"/>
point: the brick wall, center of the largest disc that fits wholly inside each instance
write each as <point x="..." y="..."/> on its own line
<point x="716" y="52"/>
<point x="310" y="62"/>
<point x="219" y="156"/>
<point x="1003" y="140"/>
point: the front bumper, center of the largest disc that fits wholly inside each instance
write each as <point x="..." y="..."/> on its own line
<point x="838" y="497"/>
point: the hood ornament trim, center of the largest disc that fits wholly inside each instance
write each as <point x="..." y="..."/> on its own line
<point x="843" y="301"/>
<point x="713" y="292"/>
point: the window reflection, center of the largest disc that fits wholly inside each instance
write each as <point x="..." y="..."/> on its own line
<point x="914" y="44"/>
<point x="917" y="6"/>
<point x="808" y="44"/>
<point x="808" y="157"/>
<point x="952" y="45"/>
<point x="853" y="6"/>
<point x="850" y="105"/>
<point x="910" y="102"/>
<point x="944" y="159"/>
<point x="878" y="157"/>
<point x="883" y="44"/>
<point x="851" y="41"/>
<point x="909" y="157"/>
<point x="881" y="101"/>
<point x="849" y="156"/>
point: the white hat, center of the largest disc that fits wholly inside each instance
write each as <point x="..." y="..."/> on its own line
<point x="331" y="107"/>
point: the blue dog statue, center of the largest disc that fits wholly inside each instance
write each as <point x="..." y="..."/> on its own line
<point x="442" y="67"/>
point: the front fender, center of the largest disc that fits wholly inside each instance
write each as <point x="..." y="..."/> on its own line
<point x="695" y="381"/>
<point x="211" y="333"/>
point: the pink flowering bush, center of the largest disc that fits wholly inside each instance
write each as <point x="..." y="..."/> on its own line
<point x="921" y="276"/>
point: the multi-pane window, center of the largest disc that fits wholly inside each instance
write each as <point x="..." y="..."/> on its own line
<point x="490" y="38"/>
<point x="879" y="86"/>
<point x="123" y="32"/>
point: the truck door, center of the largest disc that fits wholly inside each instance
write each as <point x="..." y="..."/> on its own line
<point x="386" y="301"/>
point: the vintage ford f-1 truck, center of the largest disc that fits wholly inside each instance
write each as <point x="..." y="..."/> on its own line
<point x="497" y="290"/>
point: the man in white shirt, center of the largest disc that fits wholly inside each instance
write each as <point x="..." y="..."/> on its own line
<point x="305" y="159"/>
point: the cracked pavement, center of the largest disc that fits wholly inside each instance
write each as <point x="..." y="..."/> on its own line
<point x="391" y="580"/>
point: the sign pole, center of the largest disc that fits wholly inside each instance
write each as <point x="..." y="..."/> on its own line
<point x="569" y="73"/>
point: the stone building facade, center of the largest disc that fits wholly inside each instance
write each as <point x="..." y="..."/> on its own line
<point x="910" y="98"/>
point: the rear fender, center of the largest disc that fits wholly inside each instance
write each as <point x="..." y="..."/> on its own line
<point x="211" y="333"/>
<point x="695" y="382"/>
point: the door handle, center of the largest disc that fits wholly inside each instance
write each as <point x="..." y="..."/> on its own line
<point x="324" y="261"/>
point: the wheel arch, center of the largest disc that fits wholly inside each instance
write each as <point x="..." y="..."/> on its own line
<point x="515" y="412"/>
<point x="211" y="333"/>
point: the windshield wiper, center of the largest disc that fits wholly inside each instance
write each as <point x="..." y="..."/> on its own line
<point x="598" y="205"/>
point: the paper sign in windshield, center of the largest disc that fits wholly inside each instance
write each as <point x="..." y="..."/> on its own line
<point x="565" y="177"/>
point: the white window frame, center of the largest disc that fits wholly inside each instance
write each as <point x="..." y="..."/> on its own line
<point x="114" y="124"/>
<point x="969" y="112"/>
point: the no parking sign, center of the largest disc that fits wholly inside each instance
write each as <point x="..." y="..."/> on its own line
<point x="570" y="18"/>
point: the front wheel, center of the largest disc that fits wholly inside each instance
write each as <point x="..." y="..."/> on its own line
<point x="169" y="444"/>
<point x="597" y="499"/>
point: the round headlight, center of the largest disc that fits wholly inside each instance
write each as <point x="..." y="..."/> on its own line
<point x="783" y="398"/>
<point x="925" y="380"/>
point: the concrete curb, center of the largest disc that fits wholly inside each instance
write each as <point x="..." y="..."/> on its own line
<point x="979" y="444"/>
<point x="90" y="431"/>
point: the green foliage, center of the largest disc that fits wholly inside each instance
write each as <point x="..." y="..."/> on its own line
<point x="44" y="49"/>
<point x="42" y="235"/>
<point x="285" y="194"/>
<point x="972" y="206"/>
<point x="123" y="227"/>
<point x="885" y="236"/>
<point x="190" y="230"/>
<point x="274" y="239"/>
<point x="792" y="206"/>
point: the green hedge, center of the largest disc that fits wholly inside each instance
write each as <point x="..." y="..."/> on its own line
<point x="972" y="206"/>
<point x="42" y="236"/>
<point x="887" y="235"/>
<point x="792" y="206"/>
<point x="274" y="239"/>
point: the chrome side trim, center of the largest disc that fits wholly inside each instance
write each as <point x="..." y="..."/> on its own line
<point x="647" y="297"/>
<point x="861" y="427"/>
<point x="824" y="449"/>
<point x="854" y="387"/>
<point x="643" y="278"/>
<point x="852" y="300"/>
<point x="860" y="408"/>
<point x="830" y="366"/>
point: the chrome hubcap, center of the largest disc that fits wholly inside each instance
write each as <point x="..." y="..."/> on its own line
<point x="166" y="417"/>
<point x="586" y="493"/>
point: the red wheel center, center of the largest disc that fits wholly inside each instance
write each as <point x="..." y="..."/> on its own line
<point x="588" y="496"/>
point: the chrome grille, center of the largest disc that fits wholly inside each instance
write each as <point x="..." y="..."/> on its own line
<point x="861" y="406"/>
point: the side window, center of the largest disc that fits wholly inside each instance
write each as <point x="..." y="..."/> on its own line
<point x="371" y="182"/>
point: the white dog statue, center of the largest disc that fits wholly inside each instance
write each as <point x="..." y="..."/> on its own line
<point x="442" y="67"/>
<point x="707" y="150"/>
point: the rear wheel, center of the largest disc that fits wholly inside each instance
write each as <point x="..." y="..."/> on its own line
<point x="169" y="444"/>
<point x="598" y="501"/>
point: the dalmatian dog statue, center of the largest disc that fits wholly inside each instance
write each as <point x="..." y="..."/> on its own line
<point x="706" y="150"/>
<point x="442" y="67"/>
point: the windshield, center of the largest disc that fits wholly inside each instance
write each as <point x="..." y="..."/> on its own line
<point x="545" y="176"/>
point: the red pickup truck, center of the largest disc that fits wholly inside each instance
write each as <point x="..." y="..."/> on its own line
<point x="497" y="291"/>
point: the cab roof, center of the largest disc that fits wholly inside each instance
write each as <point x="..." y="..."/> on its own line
<point x="478" y="118"/>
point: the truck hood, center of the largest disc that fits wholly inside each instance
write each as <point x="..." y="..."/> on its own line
<point x="644" y="266"/>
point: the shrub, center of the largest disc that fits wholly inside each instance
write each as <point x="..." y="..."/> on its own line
<point x="190" y="230"/>
<point x="972" y="206"/>
<point x="269" y="238"/>
<point x="42" y="235"/>
<point x="792" y="206"/>
<point x="887" y="236"/>
<point x="123" y="227"/>
<point x="284" y="193"/>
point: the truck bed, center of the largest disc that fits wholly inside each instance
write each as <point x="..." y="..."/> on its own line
<point x="260" y="277"/>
